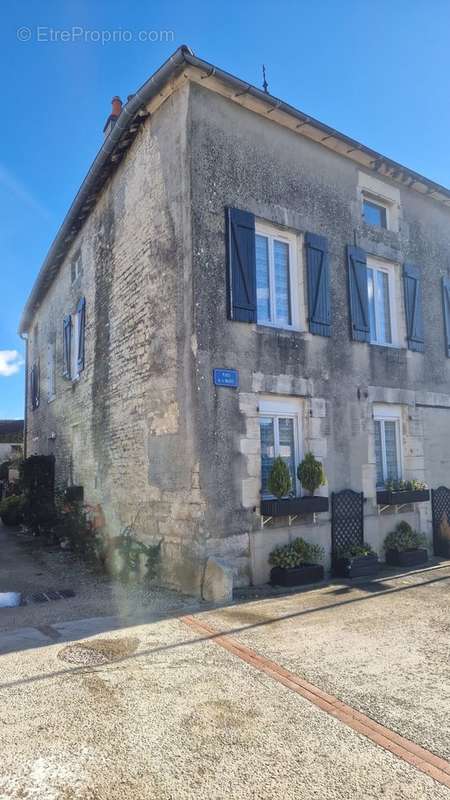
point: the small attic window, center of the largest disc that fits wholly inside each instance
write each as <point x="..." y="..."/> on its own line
<point x="76" y="268"/>
<point x="375" y="213"/>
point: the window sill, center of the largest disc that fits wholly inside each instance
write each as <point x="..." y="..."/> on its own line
<point x="285" y="332"/>
<point x="51" y="399"/>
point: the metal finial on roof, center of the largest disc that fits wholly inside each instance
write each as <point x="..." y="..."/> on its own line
<point x="265" y="84"/>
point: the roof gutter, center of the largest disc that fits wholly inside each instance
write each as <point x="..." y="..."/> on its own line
<point x="183" y="56"/>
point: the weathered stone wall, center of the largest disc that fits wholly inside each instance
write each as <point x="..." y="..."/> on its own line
<point x="243" y="160"/>
<point x="124" y="430"/>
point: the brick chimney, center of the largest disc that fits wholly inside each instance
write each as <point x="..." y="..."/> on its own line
<point x="116" y="108"/>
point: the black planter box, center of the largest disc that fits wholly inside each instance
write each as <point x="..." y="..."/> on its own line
<point x="288" y="507"/>
<point x="74" y="494"/>
<point x="296" y="576"/>
<point x="356" y="567"/>
<point x="406" y="558"/>
<point x="401" y="498"/>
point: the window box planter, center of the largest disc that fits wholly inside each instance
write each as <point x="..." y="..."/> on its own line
<point x="357" y="567"/>
<point x="387" y="498"/>
<point x="406" y="558"/>
<point x="296" y="576"/>
<point x="289" y="506"/>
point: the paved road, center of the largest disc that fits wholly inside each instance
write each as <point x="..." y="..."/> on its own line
<point x="180" y="717"/>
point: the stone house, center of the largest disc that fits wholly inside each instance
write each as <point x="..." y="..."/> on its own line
<point x="234" y="281"/>
<point x="11" y="439"/>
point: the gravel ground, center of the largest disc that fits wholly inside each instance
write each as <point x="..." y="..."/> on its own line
<point x="179" y="718"/>
<point x="383" y="648"/>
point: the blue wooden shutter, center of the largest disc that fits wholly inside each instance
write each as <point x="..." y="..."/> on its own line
<point x="446" y="304"/>
<point x="67" y="345"/>
<point x="413" y="307"/>
<point x="34" y="385"/>
<point x="359" y="296"/>
<point x="241" y="256"/>
<point x="318" y="273"/>
<point x="81" y="311"/>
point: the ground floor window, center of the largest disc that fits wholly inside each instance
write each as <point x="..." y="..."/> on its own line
<point x="280" y="436"/>
<point x="387" y="445"/>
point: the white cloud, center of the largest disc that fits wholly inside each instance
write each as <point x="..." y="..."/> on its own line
<point x="10" y="362"/>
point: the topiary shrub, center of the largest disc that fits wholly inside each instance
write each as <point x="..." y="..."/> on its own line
<point x="295" y="554"/>
<point x="11" y="510"/>
<point x="279" y="482"/>
<point x="404" y="538"/>
<point x="311" y="473"/>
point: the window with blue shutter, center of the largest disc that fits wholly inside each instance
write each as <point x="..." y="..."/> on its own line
<point x="413" y="307"/>
<point x="67" y="345"/>
<point x="446" y="304"/>
<point x="34" y="385"/>
<point x="358" y="293"/>
<point x="241" y="257"/>
<point x="318" y="275"/>
<point x="81" y="313"/>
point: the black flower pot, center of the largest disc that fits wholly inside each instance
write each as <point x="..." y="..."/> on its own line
<point x="406" y="558"/>
<point x="357" y="567"/>
<point x="296" y="576"/>
<point x="290" y="506"/>
<point x="402" y="497"/>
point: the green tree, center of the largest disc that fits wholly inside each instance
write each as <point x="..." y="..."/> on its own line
<point x="279" y="479"/>
<point x="311" y="473"/>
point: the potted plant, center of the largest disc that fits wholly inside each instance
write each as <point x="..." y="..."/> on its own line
<point x="11" y="510"/>
<point x="397" y="493"/>
<point x="311" y="475"/>
<point x="356" y="561"/>
<point x="280" y="485"/>
<point x="405" y="547"/>
<point x="296" y="564"/>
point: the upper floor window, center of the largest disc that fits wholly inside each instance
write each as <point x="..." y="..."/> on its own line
<point x="74" y="326"/>
<point x="387" y="444"/>
<point x="374" y="213"/>
<point x="276" y="277"/>
<point x="381" y="309"/>
<point x="51" y="391"/>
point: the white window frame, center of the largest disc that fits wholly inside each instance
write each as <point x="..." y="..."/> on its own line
<point x="273" y="233"/>
<point x="376" y="201"/>
<point x="75" y="268"/>
<point x="391" y="270"/>
<point x="285" y="408"/>
<point x="51" y="372"/>
<point x="74" y="372"/>
<point x="388" y="413"/>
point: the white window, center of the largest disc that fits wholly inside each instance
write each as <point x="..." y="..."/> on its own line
<point x="280" y="436"/>
<point x="388" y="451"/>
<point x="375" y="213"/>
<point x="276" y="278"/>
<point x="381" y="286"/>
<point x="51" y="372"/>
<point x="76" y="268"/>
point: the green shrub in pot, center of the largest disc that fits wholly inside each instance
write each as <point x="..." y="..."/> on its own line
<point x="279" y="482"/>
<point x="403" y="538"/>
<point x="311" y="473"/>
<point x="11" y="510"/>
<point x="295" y="554"/>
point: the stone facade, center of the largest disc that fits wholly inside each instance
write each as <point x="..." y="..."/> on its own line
<point x="144" y="430"/>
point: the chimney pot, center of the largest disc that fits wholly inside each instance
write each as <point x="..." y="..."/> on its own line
<point x="116" y="103"/>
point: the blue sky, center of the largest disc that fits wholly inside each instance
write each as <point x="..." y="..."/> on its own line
<point x="377" y="71"/>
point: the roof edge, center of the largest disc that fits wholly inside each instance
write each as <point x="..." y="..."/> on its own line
<point x="84" y="199"/>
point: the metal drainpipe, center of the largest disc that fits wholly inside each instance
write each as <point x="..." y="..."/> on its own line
<point x="24" y="337"/>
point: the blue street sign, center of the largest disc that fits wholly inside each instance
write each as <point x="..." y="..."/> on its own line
<point x="226" y="377"/>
